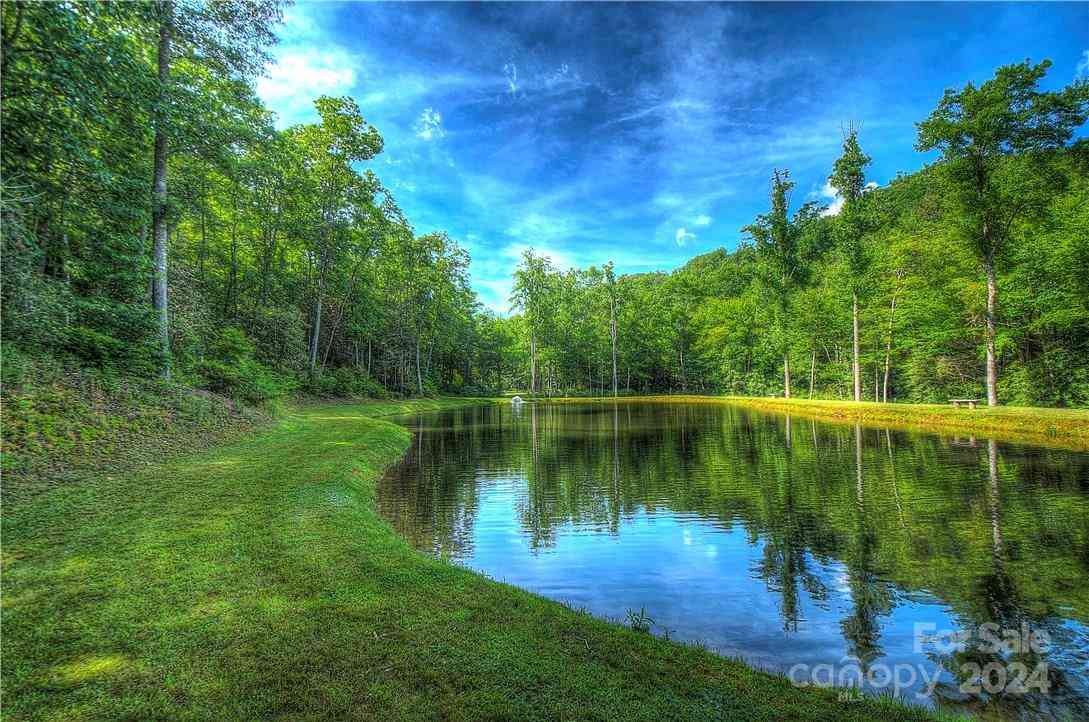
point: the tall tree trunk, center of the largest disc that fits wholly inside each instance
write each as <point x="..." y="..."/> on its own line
<point x="203" y="253"/>
<point x="786" y="375"/>
<point x="888" y="350"/>
<point x="316" y="331"/>
<point x="612" y="332"/>
<point x="158" y="216"/>
<point x="992" y="295"/>
<point x="419" y="376"/>
<point x="532" y="364"/>
<point x="856" y="372"/>
<point x="812" y="371"/>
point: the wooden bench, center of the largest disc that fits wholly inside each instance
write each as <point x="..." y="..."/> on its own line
<point x="957" y="402"/>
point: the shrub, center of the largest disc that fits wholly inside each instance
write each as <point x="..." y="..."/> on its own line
<point x="342" y="382"/>
<point x="230" y="369"/>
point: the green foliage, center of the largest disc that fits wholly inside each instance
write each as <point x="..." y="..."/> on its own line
<point x="343" y="382"/>
<point x="288" y="237"/>
<point x="230" y="369"/>
<point x="728" y="321"/>
<point x="640" y="621"/>
<point x="280" y="234"/>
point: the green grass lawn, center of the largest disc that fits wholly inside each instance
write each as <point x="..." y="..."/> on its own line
<point x="255" y="581"/>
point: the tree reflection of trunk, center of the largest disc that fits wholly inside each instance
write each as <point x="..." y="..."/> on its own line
<point x="788" y="434"/>
<point x="870" y="596"/>
<point x="998" y="590"/>
<point x="533" y="435"/>
<point x="784" y="566"/>
<point x="858" y="464"/>
<point x="996" y="599"/>
<point x="992" y="472"/>
<point x="895" y="484"/>
<point x="616" y="467"/>
<point x="537" y="499"/>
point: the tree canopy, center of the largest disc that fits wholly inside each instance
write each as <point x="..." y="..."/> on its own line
<point x="291" y="265"/>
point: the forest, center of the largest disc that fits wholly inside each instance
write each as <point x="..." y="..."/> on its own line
<point x="156" y="224"/>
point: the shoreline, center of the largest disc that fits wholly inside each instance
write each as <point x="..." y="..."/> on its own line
<point x="1065" y="429"/>
<point x="257" y="579"/>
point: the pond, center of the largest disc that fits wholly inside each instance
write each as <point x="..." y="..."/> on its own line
<point x="952" y="571"/>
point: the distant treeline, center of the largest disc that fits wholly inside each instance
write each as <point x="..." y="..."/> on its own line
<point x="156" y="223"/>
<point x="969" y="278"/>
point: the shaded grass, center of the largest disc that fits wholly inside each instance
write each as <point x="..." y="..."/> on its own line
<point x="255" y="581"/>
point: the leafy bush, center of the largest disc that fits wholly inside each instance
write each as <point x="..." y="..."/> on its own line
<point x="279" y="335"/>
<point x="342" y="382"/>
<point x="230" y="369"/>
<point x="472" y="390"/>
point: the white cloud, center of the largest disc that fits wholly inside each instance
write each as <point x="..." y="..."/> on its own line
<point x="301" y="75"/>
<point x="829" y="192"/>
<point x="429" y="125"/>
<point x="544" y="226"/>
<point x="668" y="201"/>
<point x="306" y="64"/>
<point x="561" y="75"/>
<point x="1082" y="70"/>
<point x="702" y="220"/>
<point x="683" y="236"/>
<point x="833" y="195"/>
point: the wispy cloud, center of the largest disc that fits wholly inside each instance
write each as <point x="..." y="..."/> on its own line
<point x="510" y="72"/>
<point x="1082" y="71"/>
<point x="682" y="236"/>
<point x="429" y="125"/>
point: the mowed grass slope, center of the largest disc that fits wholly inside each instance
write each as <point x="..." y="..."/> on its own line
<point x="255" y="581"/>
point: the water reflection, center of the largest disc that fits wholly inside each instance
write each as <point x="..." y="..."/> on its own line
<point x="784" y="541"/>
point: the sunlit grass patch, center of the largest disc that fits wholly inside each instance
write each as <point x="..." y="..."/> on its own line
<point x="88" y="668"/>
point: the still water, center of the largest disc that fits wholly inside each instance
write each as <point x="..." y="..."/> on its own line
<point x="821" y="551"/>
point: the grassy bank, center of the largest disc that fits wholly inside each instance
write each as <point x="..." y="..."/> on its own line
<point x="1056" y="428"/>
<point x="255" y="581"/>
<point x="62" y="425"/>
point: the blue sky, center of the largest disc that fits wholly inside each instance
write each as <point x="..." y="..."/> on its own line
<point x="641" y="133"/>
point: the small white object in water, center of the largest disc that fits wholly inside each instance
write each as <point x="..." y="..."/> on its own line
<point x="516" y="400"/>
